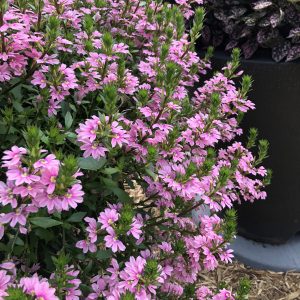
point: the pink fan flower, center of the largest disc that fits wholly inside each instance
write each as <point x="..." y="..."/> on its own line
<point x="18" y="217"/>
<point x="94" y="149"/>
<point x="49" y="161"/>
<point x="223" y="295"/>
<point x="12" y="157"/>
<point x="39" y="79"/>
<point x="111" y="241"/>
<point x="28" y="190"/>
<point x="4" y="281"/>
<point x="120" y="135"/>
<point x="72" y="197"/>
<point x="91" y="229"/>
<point x="98" y="286"/>
<point x="21" y="175"/>
<point x="108" y="217"/>
<point x="88" y="130"/>
<point x="52" y="202"/>
<point x="49" y="178"/>
<point x="86" y="246"/>
<point x="114" y="270"/>
<point x="7" y="195"/>
<point x="135" y="229"/>
<point x="132" y="273"/>
<point x="39" y="288"/>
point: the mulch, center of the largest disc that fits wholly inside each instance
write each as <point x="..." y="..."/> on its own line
<point x="265" y="285"/>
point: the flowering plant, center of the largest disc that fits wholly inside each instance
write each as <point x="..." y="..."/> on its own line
<point x="96" y="100"/>
<point x="255" y="24"/>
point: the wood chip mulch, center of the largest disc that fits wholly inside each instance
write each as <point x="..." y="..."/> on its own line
<point x="265" y="285"/>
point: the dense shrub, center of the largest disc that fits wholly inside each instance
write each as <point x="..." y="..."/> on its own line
<point x="96" y="99"/>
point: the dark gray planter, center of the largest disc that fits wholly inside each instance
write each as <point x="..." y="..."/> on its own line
<point x="276" y="94"/>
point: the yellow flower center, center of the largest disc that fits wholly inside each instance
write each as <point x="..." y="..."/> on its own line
<point x="53" y="179"/>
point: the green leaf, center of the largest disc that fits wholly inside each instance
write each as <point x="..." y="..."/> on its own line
<point x="114" y="188"/>
<point x="90" y="163"/>
<point x="44" y="234"/>
<point x="103" y="254"/>
<point x="121" y="194"/>
<point x="45" y="222"/>
<point x="19" y="242"/>
<point x="151" y="173"/>
<point x="109" y="183"/>
<point x="110" y="171"/>
<point x="68" y="120"/>
<point x="17" y="106"/>
<point x="77" y="217"/>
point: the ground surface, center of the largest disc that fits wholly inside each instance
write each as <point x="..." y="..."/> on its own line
<point x="266" y="285"/>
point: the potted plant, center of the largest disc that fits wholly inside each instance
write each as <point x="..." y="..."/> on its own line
<point x="268" y="32"/>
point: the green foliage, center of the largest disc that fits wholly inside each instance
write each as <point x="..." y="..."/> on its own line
<point x="44" y="222"/>
<point x="243" y="289"/>
<point x="127" y="296"/>
<point x="229" y="225"/>
<point x="16" y="294"/>
<point x="90" y="163"/>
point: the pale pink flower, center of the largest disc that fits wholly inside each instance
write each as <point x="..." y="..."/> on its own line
<point x="72" y="197"/>
<point x="4" y="281"/>
<point x="22" y="175"/>
<point x="94" y="149"/>
<point x="39" y="288"/>
<point x="49" y="176"/>
<point x="112" y="242"/>
<point x="120" y="135"/>
<point x="108" y="217"/>
<point x="86" y="246"/>
<point x="7" y="194"/>
<point x="12" y="157"/>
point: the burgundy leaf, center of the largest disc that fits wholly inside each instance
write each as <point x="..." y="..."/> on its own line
<point x="232" y="44"/>
<point x="220" y="15"/>
<point x="268" y="38"/>
<point x="281" y="51"/>
<point x="294" y="53"/>
<point x="265" y="22"/>
<point x="206" y="35"/>
<point x="250" y="21"/>
<point x="217" y="40"/>
<point x="236" y="12"/>
<point x="294" y="33"/>
<point x="276" y="18"/>
<point x="262" y="4"/>
<point x="249" y="48"/>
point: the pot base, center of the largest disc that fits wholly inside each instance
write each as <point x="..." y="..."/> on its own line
<point x="279" y="258"/>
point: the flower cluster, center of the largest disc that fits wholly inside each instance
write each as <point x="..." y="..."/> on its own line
<point x="113" y="224"/>
<point x="37" y="182"/>
<point x="113" y="92"/>
<point x="31" y="286"/>
<point x="96" y="136"/>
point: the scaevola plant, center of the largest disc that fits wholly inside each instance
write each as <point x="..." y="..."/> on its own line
<point x="99" y="96"/>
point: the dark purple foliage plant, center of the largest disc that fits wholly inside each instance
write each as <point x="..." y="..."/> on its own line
<point x="251" y="25"/>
